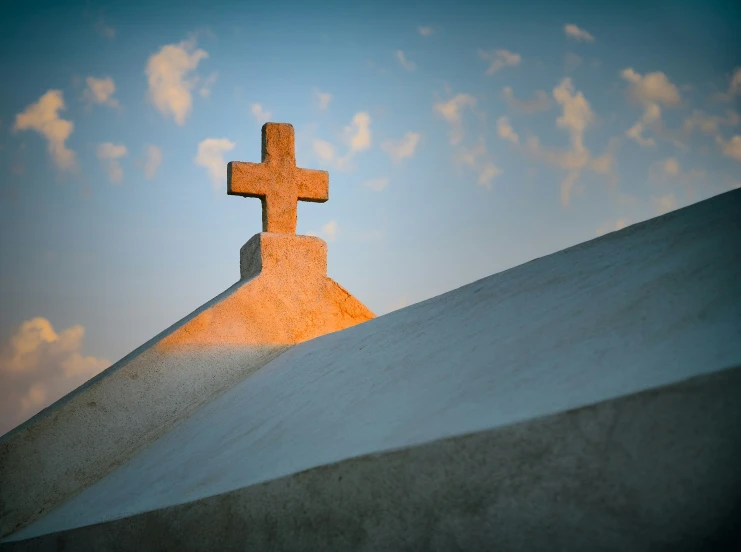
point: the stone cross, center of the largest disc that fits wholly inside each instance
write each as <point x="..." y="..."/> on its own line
<point x="277" y="181"/>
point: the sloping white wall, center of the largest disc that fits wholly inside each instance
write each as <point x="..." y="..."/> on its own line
<point x="650" y="305"/>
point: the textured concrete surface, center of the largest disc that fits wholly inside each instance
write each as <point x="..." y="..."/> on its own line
<point x="277" y="182"/>
<point x="657" y="470"/>
<point x="284" y="297"/>
<point x="638" y="309"/>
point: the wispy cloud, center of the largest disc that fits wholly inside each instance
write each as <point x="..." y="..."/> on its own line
<point x="109" y="155"/>
<point x="505" y="131"/>
<point x="205" y="89"/>
<point x="451" y="112"/>
<point x="152" y="161"/>
<point x="100" y="91"/>
<point x="322" y="99"/>
<point x="732" y="147"/>
<point x="103" y="29"/>
<point x="480" y="160"/>
<point x="376" y="184"/>
<point x="580" y="35"/>
<point x="402" y="149"/>
<point x="539" y="102"/>
<point x="405" y="63"/>
<point x="170" y="77"/>
<point x="43" y="117"/>
<point x="612" y="226"/>
<point x="649" y="91"/>
<point x="259" y="113"/>
<point x="356" y="136"/>
<point x="665" y="203"/>
<point x="330" y="230"/>
<point x="211" y="157"/>
<point x="425" y="31"/>
<point x="498" y="59"/>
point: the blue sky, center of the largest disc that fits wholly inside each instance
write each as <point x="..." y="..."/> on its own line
<point x="462" y="139"/>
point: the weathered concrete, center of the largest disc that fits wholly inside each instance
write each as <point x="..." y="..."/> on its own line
<point x="657" y="470"/>
<point x="646" y="307"/>
<point x="283" y="298"/>
<point x="277" y="182"/>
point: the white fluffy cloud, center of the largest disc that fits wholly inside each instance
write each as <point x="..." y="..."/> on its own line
<point x="451" y="112"/>
<point x="100" y="91"/>
<point x="39" y="366"/>
<point x="580" y="35"/>
<point x="211" y="157"/>
<point x="358" y="132"/>
<point x="576" y="112"/>
<point x="170" y="77"/>
<point x="539" y="102"/>
<point x="259" y="113"/>
<point x="405" y="63"/>
<point x="650" y="91"/>
<point x="498" y="59"/>
<point x="43" y="117"/>
<point x="109" y="154"/>
<point x="403" y="148"/>
<point x="152" y="161"/>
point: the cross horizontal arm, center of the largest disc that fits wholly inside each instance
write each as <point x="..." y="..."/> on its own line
<point x="312" y="185"/>
<point x="248" y="179"/>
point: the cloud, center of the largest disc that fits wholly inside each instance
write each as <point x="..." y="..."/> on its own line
<point x="505" y="131"/>
<point x="329" y="230"/>
<point x="106" y="31"/>
<point x="577" y="114"/>
<point x="540" y="101"/>
<point x="152" y="161"/>
<point x="322" y="99"/>
<point x="403" y="148"/>
<point x="650" y="91"/>
<point x="732" y="148"/>
<point x="323" y="150"/>
<point x="580" y="35"/>
<point x="709" y="124"/>
<point x="480" y="160"/>
<point x="671" y="166"/>
<point x="100" y="91"/>
<point x="451" y="112"/>
<point x="211" y="156"/>
<point x="651" y="88"/>
<point x="498" y="59"/>
<point x="425" y="31"/>
<point x="260" y="115"/>
<point x="358" y="132"/>
<point x="208" y="84"/>
<point x="612" y="226"/>
<point x="376" y="184"/>
<point x="665" y="203"/>
<point x="734" y="87"/>
<point x="109" y="154"/>
<point x="170" y="81"/>
<point x="576" y="117"/>
<point x="405" y="63"/>
<point x="43" y="117"/>
<point x="39" y="366"/>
